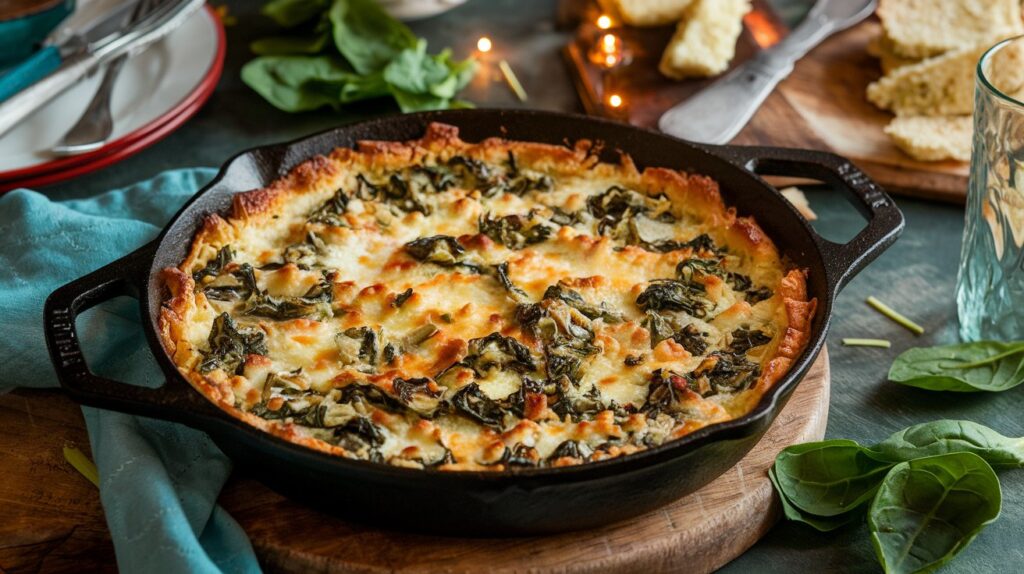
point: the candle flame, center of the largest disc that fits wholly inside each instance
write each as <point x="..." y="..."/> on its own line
<point x="484" y="44"/>
<point x="615" y="101"/>
<point x="609" y="43"/>
<point x="604" y="22"/>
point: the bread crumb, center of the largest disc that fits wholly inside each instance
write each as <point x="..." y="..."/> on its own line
<point x="796" y="196"/>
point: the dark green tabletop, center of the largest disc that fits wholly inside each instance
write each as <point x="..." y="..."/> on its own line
<point x="917" y="276"/>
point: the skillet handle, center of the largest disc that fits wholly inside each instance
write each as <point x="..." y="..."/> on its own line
<point x="174" y="400"/>
<point x="885" y="221"/>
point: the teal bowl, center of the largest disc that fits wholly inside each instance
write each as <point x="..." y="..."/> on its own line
<point x="24" y="24"/>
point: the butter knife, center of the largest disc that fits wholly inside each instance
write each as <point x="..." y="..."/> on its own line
<point x="76" y="65"/>
<point x="716" y="114"/>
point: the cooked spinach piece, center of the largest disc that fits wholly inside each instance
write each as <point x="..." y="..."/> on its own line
<point x="672" y="295"/>
<point x="418" y="336"/>
<point x="560" y="217"/>
<point x="303" y="407"/>
<point x="571" y="449"/>
<point x="516" y="402"/>
<point x="501" y="272"/>
<point x="305" y="255"/>
<point x="495" y="351"/>
<point x="514" y="231"/>
<point x="564" y="358"/>
<point x="755" y="296"/>
<point x="730" y="373"/>
<point x="399" y="193"/>
<point x="401" y="298"/>
<point x="389" y="353"/>
<point x="990" y="366"/>
<point x="229" y="345"/>
<point x="406" y="389"/>
<point x="471" y="402"/>
<point x="472" y="173"/>
<point x="215" y="266"/>
<point x="929" y="509"/>
<point x="332" y="210"/>
<point x="659" y="327"/>
<point x="570" y="402"/>
<point x="368" y="394"/>
<point x="365" y="190"/>
<point x="664" y="392"/>
<point x="692" y="339"/>
<point x="369" y="345"/>
<point x="360" y="437"/>
<point x="440" y="178"/>
<point x="245" y="288"/>
<point x="520" y="456"/>
<point x="576" y="301"/>
<point x="634" y="360"/>
<point x="316" y="301"/>
<point x="441" y="250"/>
<point x="616" y="203"/>
<point x="743" y="339"/>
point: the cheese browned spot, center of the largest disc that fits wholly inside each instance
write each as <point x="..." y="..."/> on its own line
<point x="442" y="304"/>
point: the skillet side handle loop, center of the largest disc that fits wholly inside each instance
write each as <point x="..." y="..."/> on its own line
<point x="885" y="221"/>
<point x="121" y="277"/>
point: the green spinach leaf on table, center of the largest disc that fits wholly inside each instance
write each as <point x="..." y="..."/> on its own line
<point x="829" y="478"/>
<point x="929" y="509"/>
<point x="967" y="367"/>
<point x="946" y="436"/>
<point x="343" y="51"/>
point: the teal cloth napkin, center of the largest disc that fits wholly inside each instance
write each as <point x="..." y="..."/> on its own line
<point x="158" y="481"/>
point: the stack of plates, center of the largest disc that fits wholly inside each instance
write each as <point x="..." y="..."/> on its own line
<point x="157" y="91"/>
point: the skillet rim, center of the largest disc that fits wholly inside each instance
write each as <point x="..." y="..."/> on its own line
<point x="768" y="406"/>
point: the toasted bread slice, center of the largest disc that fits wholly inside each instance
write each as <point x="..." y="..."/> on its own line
<point x="933" y="138"/>
<point x="705" y="41"/>
<point x="925" y="28"/>
<point x="646" y="12"/>
<point x="944" y="85"/>
<point x="881" y="47"/>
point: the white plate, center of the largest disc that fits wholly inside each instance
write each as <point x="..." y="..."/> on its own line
<point x="151" y="85"/>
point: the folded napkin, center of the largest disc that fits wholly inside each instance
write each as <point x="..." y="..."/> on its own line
<point x="158" y="481"/>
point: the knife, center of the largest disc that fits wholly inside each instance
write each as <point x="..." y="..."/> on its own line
<point x="81" y="56"/>
<point x="60" y="45"/>
<point x="717" y="113"/>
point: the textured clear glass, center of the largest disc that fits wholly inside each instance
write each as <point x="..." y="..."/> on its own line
<point x="990" y="285"/>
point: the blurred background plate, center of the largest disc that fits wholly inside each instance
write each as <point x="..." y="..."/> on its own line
<point x="416" y="9"/>
<point x="157" y="91"/>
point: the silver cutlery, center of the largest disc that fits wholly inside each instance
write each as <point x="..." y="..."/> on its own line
<point x="716" y="114"/>
<point x="91" y="53"/>
<point x="96" y="123"/>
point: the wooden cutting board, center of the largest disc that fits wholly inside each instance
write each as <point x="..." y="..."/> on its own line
<point x="53" y="520"/>
<point x="821" y="105"/>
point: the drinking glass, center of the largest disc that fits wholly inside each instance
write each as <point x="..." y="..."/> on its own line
<point x="990" y="284"/>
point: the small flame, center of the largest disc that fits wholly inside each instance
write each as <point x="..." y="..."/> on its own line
<point x="615" y="101"/>
<point x="604" y="22"/>
<point x="609" y="43"/>
<point x="484" y="45"/>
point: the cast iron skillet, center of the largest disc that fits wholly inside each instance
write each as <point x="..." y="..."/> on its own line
<point x="529" y="501"/>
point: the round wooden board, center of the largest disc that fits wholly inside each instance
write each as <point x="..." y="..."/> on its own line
<point x="698" y="533"/>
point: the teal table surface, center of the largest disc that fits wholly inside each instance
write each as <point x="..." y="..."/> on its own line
<point x="916" y="276"/>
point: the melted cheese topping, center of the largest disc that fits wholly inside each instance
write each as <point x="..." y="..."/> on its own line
<point x="469" y="308"/>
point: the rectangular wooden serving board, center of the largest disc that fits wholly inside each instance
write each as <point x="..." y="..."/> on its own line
<point x="821" y="105"/>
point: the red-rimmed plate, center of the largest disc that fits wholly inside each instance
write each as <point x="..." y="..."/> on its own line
<point x="157" y="91"/>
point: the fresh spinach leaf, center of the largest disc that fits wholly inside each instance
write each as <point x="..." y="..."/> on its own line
<point x="298" y="83"/>
<point x="966" y="367"/>
<point x="929" y="509"/>
<point x="367" y="36"/>
<point x="820" y="523"/>
<point x="829" y="478"/>
<point x="291" y="13"/>
<point x="941" y="437"/>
